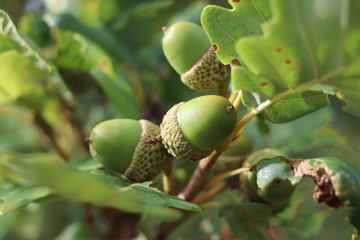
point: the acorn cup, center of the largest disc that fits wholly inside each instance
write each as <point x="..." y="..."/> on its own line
<point x="188" y="50"/>
<point x="126" y="146"/>
<point x="192" y="130"/>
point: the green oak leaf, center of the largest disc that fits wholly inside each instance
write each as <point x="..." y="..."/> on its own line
<point x="310" y="43"/>
<point x="289" y="108"/>
<point x="66" y="181"/>
<point x="225" y="26"/>
<point x="152" y="196"/>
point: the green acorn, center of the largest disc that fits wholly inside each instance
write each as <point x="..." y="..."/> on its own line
<point x="192" y="130"/>
<point x="127" y="146"/>
<point x="188" y="50"/>
<point x="277" y="195"/>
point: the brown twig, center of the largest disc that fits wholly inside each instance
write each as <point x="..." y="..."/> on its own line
<point x="210" y="193"/>
<point x="226" y="175"/>
<point x="198" y="179"/>
<point x="47" y="129"/>
<point x="76" y="126"/>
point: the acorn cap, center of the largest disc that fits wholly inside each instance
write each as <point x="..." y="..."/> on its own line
<point x="188" y="50"/>
<point x="192" y="130"/>
<point x="122" y="145"/>
<point x="148" y="158"/>
<point x="184" y="44"/>
<point x="207" y="73"/>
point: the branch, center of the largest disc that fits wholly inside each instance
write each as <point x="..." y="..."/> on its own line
<point x="47" y="129"/>
<point x="210" y="193"/>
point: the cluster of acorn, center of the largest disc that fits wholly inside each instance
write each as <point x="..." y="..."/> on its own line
<point x="189" y="130"/>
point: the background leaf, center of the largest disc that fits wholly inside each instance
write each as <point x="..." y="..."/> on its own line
<point x="151" y="196"/>
<point x="48" y="170"/>
<point x="249" y="220"/>
<point x="14" y="199"/>
<point x="120" y="92"/>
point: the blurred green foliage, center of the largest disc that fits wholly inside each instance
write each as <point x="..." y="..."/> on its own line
<point x="92" y="60"/>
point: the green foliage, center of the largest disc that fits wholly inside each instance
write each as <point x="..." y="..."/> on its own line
<point x="154" y="197"/>
<point x="273" y="66"/>
<point x="66" y="67"/>
<point x="48" y="170"/>
<point x="14" y="199"/>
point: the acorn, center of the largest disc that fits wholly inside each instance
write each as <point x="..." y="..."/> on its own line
<point x="127" y="146"/>
<point x="188" y="50"/>
<point x="277" y="194"/>
<point x="192" y="130"/>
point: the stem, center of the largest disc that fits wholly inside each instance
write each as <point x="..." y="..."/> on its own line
<point x="167" y="177"/>
<point x="198" y="179"/>
<point x="233" y="96"/>
<point x="210" y="194"/>
<point x="50" y="134"/>
<point x="237" y="101"/>
<point x="76" y="125"/>
<point x="225" y="175"/>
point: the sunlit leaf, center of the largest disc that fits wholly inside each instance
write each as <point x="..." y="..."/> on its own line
<point x="10" y="40"/>
<point x="14" y="66"/>
<point x="226" y="26"/>
<point x="289" y="108"/>
<point x="307" y="43"/>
